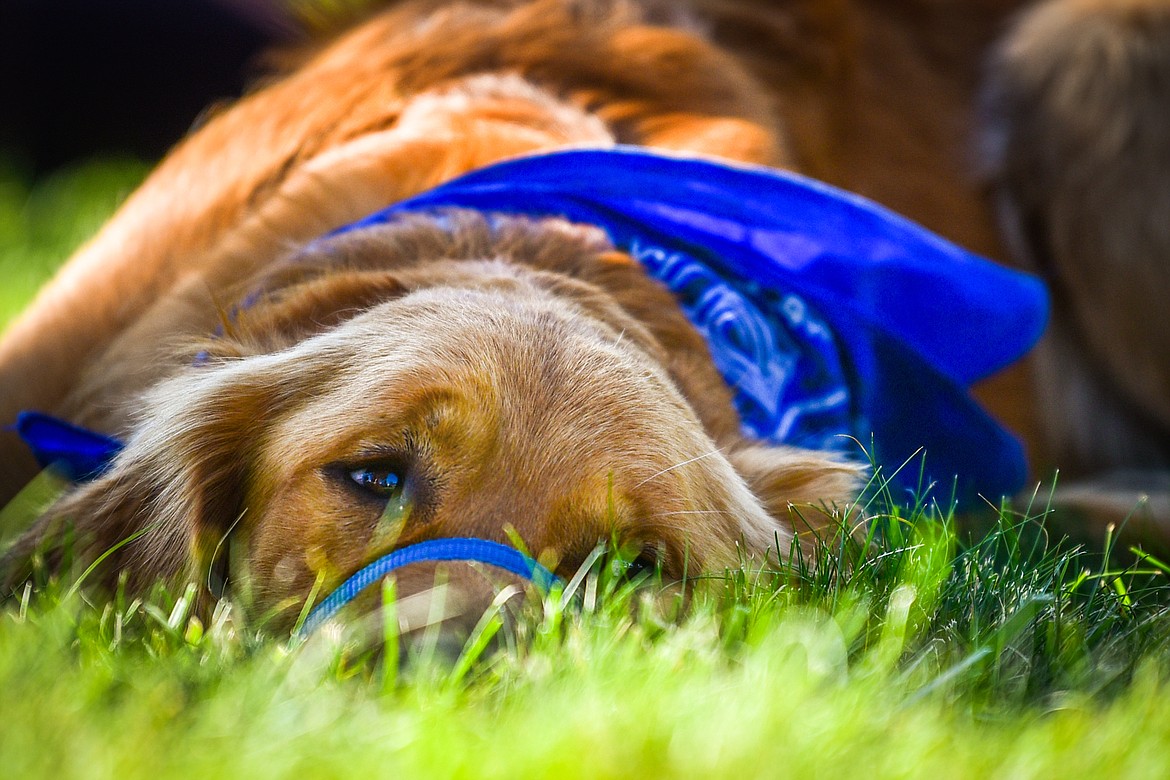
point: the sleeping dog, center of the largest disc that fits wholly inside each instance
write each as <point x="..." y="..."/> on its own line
<point x="523" y="353"/>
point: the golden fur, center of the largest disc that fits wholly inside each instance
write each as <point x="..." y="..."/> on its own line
<point x="530" y="377"/>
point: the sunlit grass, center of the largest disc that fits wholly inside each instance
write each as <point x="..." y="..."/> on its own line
<point x="927" y="658"/>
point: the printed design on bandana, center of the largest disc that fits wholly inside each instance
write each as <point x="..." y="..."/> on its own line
<point x="778" y="356"/>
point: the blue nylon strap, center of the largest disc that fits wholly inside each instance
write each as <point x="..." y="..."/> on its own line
<point x="452" y="549"/>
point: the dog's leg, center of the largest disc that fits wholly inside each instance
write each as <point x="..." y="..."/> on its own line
<point x="1077" y="141"/>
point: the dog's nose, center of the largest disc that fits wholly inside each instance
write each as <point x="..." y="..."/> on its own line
<point x="436" y="612"/>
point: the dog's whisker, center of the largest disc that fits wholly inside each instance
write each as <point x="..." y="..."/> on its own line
<point x="693" y="512"/>
<point x="669" y="469"/>
<point x="664" y="526"/>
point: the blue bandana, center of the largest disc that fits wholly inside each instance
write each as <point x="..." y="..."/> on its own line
<point x="77" y="453"/>
<point x="833" y="320"/>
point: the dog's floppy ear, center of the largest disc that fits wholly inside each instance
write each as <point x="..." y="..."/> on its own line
<point x="178" y="487"/>
<point x="806" y="491"/>
<point x="169" y="498"/>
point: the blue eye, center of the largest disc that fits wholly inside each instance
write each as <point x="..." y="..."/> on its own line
<point x="379" y="480"/>
<point x="644" y="565"/>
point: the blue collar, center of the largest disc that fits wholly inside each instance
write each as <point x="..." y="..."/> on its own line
<point x="831" y="318"/>
<point x="447" y="549"/>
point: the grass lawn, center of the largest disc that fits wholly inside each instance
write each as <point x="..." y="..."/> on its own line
<point x="1008" y="655"/>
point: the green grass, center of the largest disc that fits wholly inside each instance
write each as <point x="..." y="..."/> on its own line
<point x="923" y="661"/>
<point x="1010" y="654"/>
<point x="41" y="225"/>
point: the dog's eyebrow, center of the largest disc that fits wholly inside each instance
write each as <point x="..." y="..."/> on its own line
<point x="668" y="469"/>
<point x="379" y="452"/>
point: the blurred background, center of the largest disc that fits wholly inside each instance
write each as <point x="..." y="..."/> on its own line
<point x="121" y="76"/>
<point x="94" y="92"/>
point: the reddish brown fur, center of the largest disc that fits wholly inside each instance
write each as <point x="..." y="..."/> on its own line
<point x="874" y="96"/>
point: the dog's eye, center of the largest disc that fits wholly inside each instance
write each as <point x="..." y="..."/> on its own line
<point x="384" y="488"/>
<point x="644" y="565"/>
<point x="380" y="480"/>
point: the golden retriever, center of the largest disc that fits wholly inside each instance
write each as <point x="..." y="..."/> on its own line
<point x="423" y="380"/>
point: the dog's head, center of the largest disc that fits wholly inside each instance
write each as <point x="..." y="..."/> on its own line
<point x="436" y="378"/>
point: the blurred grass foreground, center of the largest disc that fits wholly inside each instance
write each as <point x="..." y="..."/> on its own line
<point x="1005" y="655"/>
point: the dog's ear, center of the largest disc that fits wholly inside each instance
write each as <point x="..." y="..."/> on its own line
<point x="163" y="508"/>
<point x="133" y="519"/>
<point x="806" y="491"/>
